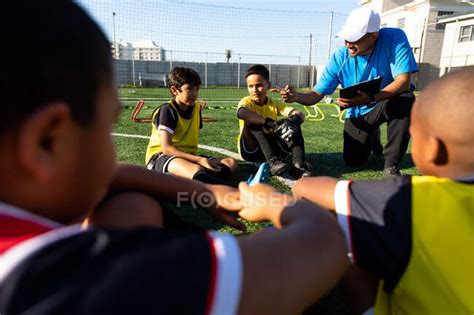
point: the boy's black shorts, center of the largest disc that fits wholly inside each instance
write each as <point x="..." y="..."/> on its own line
<point x="159" y="162"/>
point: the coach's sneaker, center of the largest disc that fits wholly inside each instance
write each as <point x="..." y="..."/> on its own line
<point x="262" y="175"/>
<point x="302" y="170"/>
<point x="391" y="172"/>
<point x="277" y="166"/>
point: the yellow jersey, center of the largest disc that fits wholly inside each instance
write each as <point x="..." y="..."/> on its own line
<point x="185" y="137"/>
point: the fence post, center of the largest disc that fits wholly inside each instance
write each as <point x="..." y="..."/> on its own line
<point x="314" y="64"/>
<point x="299" y="70"/>
<point x="171" y="60"/>
<point x="270" y="69"/>
<point x="238" y="73"/>
<point x="330" y="34"/>
<point x="205" y="72"/>
<point x="133" y="67"/>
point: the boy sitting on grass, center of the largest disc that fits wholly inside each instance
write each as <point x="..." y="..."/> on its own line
<point x="262" y="137"/>
<point x="57" y="164"/>
<point x="415" y="233"/>
<point x="176" y="126"/>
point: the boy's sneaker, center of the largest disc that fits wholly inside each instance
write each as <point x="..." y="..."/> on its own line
<point x="262" y="175"/>
<point x="391" y="172"/>
<point x="277" y="166"/>
<point x="302" y="170"/>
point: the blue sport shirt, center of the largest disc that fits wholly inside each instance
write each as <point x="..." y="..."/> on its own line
<point x="391" y="57"/>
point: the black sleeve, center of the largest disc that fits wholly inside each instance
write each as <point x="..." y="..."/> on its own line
<point x="200" y="120"/>
<point x="380" y="224"/>
<point x="167" y="117"/>
<point x="141" y="271"/>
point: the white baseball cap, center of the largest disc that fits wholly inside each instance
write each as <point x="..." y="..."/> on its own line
<point x="360" y="22"/>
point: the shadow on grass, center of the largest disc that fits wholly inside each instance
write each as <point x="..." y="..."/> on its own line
<point x="332" y="164"/>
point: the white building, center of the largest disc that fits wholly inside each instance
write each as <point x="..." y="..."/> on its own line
<point x="458" y="43"/>
<point x="419" y="20"/>
<point x="138" y="50"/>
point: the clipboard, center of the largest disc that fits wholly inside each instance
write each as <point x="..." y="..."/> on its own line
<point x="370" y="87"/>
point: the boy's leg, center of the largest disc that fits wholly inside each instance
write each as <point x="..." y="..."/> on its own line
<point x="302" y="168"/>
<point x="357" y="141"/>
<point x="397" y="114"/>
<point x="267" y="145"/>
<point x="251" y="155"/>
<point x="184" y="168"/>
<point x="178" y="166"/>
<point x="262" y="142"/>
<point x="227" y="167"/>
<point x="194" y="171"/>
<point x="298" y="147"/>
<point x="359" y="135"/>
<point x="126" y="210"/>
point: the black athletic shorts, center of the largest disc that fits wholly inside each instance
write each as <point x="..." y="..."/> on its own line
<point x="159" y="162"/>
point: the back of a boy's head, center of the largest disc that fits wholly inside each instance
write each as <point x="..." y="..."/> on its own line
<point x="180" y="76"/>
<point x="260" y="70"/>
<point x="447" y="103"/>
<point x="55" y="53"/>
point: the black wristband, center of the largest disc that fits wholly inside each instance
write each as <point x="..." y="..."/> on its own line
<point x="269" y="123"/>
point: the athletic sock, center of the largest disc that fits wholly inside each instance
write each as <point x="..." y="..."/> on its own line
<point x="261" y="137"/>
<point x="298" y="148"/>
<point x="206" y="177"/>
<point x="223" y="173"/>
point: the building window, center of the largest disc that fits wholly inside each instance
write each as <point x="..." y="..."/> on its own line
<point x="442" y="26"/>
<point x="401" y="23"/>
<point x="466" y="34"/>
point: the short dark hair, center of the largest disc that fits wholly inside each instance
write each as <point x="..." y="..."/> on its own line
<point x="57" y="54"/>
<point x="258" y="69"/>
<point x="180" y="76"/>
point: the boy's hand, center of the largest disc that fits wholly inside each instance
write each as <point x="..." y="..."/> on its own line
<point x="226" y="199"/>
<point x="262" y="202"/>
<point x="212" y="165"/>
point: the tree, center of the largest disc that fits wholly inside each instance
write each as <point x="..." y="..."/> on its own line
<point x="228" y="54"/>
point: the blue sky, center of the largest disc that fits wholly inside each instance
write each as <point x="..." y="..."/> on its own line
<point x="256" y="31"/>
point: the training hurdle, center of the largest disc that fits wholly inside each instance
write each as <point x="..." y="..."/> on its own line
<point x="139" y="106"/>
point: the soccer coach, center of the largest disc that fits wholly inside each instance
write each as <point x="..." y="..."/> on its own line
<point x="369" y="52"/>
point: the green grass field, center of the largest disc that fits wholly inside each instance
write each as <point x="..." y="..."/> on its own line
<point x="323" y="141"/>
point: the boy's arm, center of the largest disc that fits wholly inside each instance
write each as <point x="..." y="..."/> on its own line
<point x="166" y="123"/>
<point x="319" y="190"/>
<point x="287" y="269"/>
<point x="250" y="117"/>
<point x="169" y="149"/>
<point x="135" y="178"/>
<point x="375" y="210"/>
